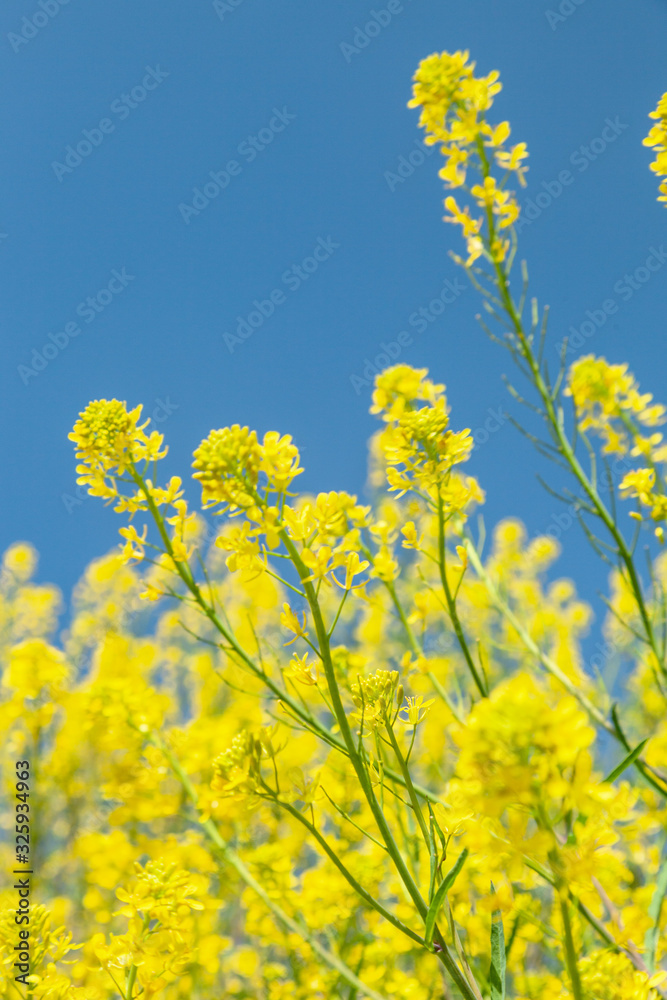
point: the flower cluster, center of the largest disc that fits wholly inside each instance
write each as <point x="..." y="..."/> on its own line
<point x="419" y="449"/>
<point x="374" y="697"/>
<point x="156" y="949"/>
<point x="657" y="138"/>
<point x="454" y="103"/>
<point x="514" y="754"/>
<point x="607" y="400"/>
<point x="642" y="484"/>
<point x="110" y="442"/>
<point x="228" y="464"/>
<point x="237" y="769"/>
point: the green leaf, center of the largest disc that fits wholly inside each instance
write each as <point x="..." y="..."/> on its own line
<point x="439" y="898"/>
<point x="498" y="958"/>
<point x="626" y="762"/>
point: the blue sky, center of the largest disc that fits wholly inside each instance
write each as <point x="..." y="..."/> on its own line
<point x="322" y="230"/>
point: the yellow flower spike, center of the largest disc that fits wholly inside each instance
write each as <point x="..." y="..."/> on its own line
<point x="400" y="385"/>
<point x="109" y="441"/>
<point x="454" y="103"/>
<point x="374" y="697"/>
<point x="606" y="398"/>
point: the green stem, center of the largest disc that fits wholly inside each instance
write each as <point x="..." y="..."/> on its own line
<point x="358" y="888"/>
<point x="230" y="856"/>
<point x="552" y="667"/>
<point x="131" y="979"/>
<point x="417" y="649"/>
<point x="186" y="576"/>
<point x="570" y="953"/>
<point x="451" y="603"/>
<point x="184" y="572"/>
<point x="558" y="430"/>
<point x="405" y="770"/>
<point x="444" y="953"/>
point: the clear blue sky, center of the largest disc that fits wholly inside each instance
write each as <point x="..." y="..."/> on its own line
<point x="305" y="131"/>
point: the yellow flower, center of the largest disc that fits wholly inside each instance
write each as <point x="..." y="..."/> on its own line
<point x="657" y="138"/>
<point x="318" y="561"/>
<point x="134" y="544"/>
<point x="110" y="441"/>
<point x="302" y="671"/>
<point x="289" y="620"/>
<point x="418" y="447"/>
<point x="353" y="567"/>
<point x="385" y="567"/>
<point x="35" y="667"/>
<point x="20" y="560"/>
<point x="412" y="540"/>
<point x="416" y="710"/>
<point x="162" y="892"/>
<point x="639" y="483"/>
<point x="279" y="461"/>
